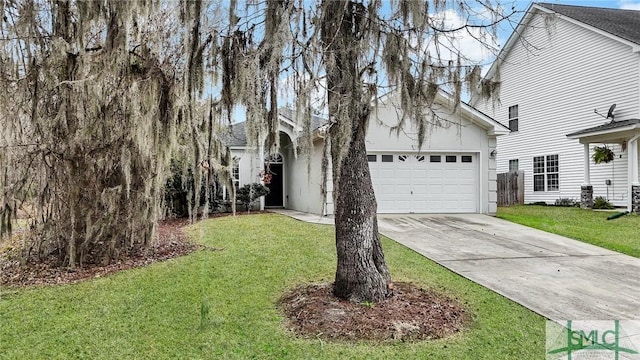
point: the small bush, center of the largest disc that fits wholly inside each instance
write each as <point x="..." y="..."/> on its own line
<point x="567" y="202"/>
<point x="179" y="194"/>
<point x="538" y="203"/>
<point x="250" y="193"/>
<point x="601" y="203"/>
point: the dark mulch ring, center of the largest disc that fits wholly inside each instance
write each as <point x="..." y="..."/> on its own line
<point x="171" y="242"/>
<point x="410" y="314"/>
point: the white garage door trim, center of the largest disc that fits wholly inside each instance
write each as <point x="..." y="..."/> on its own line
<point x="419" y="183"/>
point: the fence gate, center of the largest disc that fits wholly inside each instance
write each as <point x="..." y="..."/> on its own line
<point x="511" y="188"/>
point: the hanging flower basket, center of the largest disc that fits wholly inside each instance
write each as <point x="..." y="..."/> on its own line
<point x="602" y="155"/>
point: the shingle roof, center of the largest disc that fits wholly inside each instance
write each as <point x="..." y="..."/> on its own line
<point x="608" y="126"/>
<point x="290" y="114"/>
<point x="621" y="23"/>
<point x="238" y="136"/>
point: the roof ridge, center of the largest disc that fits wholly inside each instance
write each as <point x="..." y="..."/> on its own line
<point x="584" y="6"/>
<point x="623" y="24"/>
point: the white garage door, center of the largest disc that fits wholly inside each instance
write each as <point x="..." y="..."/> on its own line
<point x="429" y="183"/>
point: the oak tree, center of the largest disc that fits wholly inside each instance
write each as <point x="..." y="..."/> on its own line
<point x="353" y="51"/>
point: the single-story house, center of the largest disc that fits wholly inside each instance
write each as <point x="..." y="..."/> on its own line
<point x="453" y="172"/>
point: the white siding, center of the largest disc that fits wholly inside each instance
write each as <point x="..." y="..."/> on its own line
<point x="304" y="180"/>
<point x="557" y="82"/>
<point x="248" y="165"/>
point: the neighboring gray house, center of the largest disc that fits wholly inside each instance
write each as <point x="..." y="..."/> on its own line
<point x="454" y="172"/>
<point x="560" y="64"/>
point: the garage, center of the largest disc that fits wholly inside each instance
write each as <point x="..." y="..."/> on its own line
<point x="425" y="183"/>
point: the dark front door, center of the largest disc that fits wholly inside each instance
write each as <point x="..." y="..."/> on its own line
<point x="274" y="199"/>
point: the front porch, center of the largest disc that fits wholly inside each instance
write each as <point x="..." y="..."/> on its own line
<point x="624" y="132"/>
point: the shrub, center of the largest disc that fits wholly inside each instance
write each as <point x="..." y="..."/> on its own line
<point x="179" y="194"/>
<point x="250" y="193"/>
<point x="567" y="202"/>
<point x="601" y="203"/>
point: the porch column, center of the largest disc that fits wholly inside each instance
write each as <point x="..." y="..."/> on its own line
<point x="633" y="159"/>
<point x="632" y="170"/>
<point x="587" y="166"/>
<point x="586" y="190"/>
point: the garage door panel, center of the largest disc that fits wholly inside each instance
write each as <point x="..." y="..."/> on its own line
<point x="436" y="206"/>
<point x="452" y="173"/>
<point x="451" y="206"/>
<point x="421" y="204"/>
<point x="420" y="191"/>
<point x="403" y="174"/>
<point x="419" y="173"/>
<point x="383" y="205"/>
<point x="387" y="189"/>
<point x="466" y="175"/>
<point x="435" y="174"/>
<point x="387" y="174"/>
<point x="467" y="189"/>
<point x="451" y="189"/>
<point x="468" y="204"/>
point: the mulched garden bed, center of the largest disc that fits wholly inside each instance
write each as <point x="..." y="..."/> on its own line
<point x="171" y="242"/>
<point x="411" y="313"/>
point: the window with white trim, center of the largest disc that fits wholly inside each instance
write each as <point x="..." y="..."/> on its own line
<point x="546" y="173"/>
<point x="235" y="178"/>
<point x="235" y="173"/>
<point x="513" y="165"/>
<point x="513" y="118"/>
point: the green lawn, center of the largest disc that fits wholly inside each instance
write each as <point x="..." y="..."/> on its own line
<point x="586" y="225"/>
<point x="221" y="305"/>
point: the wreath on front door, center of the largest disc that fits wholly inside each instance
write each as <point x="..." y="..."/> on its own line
<point x="266" y="178"/>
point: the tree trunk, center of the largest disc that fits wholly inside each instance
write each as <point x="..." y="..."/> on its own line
<point x="362" y="274"/>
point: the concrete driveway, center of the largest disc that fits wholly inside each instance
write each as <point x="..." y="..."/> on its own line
<point x="554" y="276"/>
<point x="557" y="277"/>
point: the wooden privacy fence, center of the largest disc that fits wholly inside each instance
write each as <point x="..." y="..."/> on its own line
<point x="511" y="188"/>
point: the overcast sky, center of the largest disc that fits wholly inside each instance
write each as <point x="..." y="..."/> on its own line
<point x="469" y="47"/>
